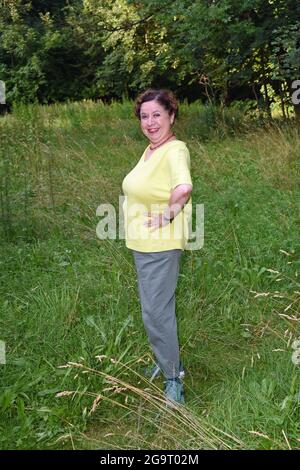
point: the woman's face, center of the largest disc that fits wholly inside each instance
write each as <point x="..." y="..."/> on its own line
<point x="155" y="121"/>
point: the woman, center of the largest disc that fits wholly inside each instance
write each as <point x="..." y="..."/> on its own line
<point x="157" y="208"/>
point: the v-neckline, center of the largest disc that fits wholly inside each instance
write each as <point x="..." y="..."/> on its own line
<point x="143" y="156"/>
<point x="145" y="153"/>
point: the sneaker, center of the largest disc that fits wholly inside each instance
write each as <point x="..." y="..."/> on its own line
<point x="174" y="390"/>
<point x="155" y="371"/>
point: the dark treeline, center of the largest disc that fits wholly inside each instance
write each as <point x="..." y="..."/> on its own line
<point x="214" y="50"/>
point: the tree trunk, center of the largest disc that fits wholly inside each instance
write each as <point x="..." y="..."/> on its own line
<point x="265" y="81"/>
<point x="282" y="101"/>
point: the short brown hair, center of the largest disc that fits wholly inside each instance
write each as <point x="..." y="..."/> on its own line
<point x="164" y="97"/>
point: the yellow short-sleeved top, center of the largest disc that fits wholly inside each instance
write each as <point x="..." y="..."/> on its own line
<point x="147" y="188"/>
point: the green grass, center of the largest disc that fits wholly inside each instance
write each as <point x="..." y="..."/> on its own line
<point x="69" y="299"/>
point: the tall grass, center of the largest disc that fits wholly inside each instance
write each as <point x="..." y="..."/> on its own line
<point x="69" y="299"/>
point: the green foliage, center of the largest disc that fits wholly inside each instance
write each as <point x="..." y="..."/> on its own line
<point x="209" y="50"/>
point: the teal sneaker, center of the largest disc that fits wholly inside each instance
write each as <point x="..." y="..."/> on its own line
<point x="174" y="391"/>
<point x="155" y="371"/>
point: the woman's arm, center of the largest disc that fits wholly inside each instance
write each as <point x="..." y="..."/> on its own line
<point x="178" y="198"/>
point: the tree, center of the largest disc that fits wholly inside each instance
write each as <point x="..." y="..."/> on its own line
<point x="219" y="50"/>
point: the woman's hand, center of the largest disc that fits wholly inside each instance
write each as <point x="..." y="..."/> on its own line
<point x="155" y="221"/>
<point x="178" y="198"/>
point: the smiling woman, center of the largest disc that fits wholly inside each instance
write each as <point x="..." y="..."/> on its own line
<point x="157" y="192"/>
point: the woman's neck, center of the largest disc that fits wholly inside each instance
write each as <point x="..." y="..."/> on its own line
<point x="155" y="146"/>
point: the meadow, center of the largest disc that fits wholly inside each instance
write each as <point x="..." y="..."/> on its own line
<point x="69" y="310"/>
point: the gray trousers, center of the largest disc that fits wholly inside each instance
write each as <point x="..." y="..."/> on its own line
<point x="157" y="279"/>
